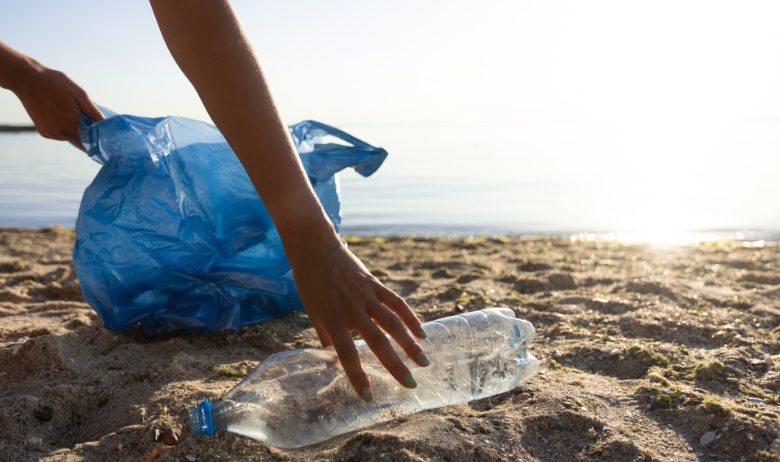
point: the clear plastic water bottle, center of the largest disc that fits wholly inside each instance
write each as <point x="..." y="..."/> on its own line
<point x="301" y="397"/>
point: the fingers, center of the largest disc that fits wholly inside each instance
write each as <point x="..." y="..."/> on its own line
<point x="393" y="325"/>
<point x="71" y="125"/>
<point x="396" y="303"/>
<point x="350" y="361"/>
<point x="62" y="126"/>
<point x="323" y="335"/>
<point x="87" y="106"/>
<point x="380" y="345"/>
<point x="74" y="139"/>
<point x="326" y="341"/>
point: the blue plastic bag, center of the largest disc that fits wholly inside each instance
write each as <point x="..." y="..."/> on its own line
<point x="171" y="234"/>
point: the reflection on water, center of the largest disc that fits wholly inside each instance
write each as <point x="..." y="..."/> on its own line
<point x="477" y="180"/>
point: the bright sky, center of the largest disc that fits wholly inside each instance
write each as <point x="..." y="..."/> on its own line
<point x="665" y="101"/>
<point x="436" y="61"/>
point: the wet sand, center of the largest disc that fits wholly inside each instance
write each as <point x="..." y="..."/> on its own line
<point x="648" y="353"/>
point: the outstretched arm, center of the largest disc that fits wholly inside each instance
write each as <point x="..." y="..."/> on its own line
<point x="338" y="292"/>
<point x="52" y="100"/>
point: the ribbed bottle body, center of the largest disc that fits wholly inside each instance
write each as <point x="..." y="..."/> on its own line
<point x="300" y="397"/>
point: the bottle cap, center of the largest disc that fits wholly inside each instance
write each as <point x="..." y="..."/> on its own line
<point x="201" y="420"/>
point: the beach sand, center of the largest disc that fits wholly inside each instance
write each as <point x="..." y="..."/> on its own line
<point x="648" y="354"/>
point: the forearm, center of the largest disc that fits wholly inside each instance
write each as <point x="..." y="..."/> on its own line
<point x="214" y="53"/>
<point x="14" y="67"/>
<point x="338" y="293"/>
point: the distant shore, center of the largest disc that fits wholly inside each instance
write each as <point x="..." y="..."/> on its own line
<point x="16" y="128"/>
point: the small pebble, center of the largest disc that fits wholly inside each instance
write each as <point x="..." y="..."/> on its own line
<point x="31" y="398"/>
<point x="459" y="425"/>
<point x="170" y="437"/>
<point x="190" y="457"/>
<point x="119" y="447"/>
<point x="775" y="447"/>
<point x="34" y="442"/>
<point x="708" y="438"/>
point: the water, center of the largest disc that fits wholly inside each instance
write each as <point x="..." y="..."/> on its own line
<point x="41" y="181"/>
<point x="298" y="397"/>
<point x="476" y="179"/>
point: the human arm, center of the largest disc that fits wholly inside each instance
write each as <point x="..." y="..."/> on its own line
<point x="338" y="292"/>
<point x="52" y="100"/>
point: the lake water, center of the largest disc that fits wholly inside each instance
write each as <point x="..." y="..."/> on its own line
<point x="442" y="180"/>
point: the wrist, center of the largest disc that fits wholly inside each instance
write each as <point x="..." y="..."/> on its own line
<point x="303" y="225"/>
<point x="19" y="71"/>
<point x="308" y="236"/>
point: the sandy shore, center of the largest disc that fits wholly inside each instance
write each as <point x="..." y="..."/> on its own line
<point x="648" y="354"/>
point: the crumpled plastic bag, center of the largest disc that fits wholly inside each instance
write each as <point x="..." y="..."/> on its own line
<point x="171" y="234"/>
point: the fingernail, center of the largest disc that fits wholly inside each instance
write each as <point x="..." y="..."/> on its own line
<point x="410" y="382"/>
<point x="421" y="333"/>
<point x="367" y="395"/>
<point x="423" y="359"/>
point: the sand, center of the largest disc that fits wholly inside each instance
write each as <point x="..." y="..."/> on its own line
<point x="648" y="354"/>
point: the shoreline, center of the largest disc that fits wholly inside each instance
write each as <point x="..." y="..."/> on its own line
<point x="647" y="353"/>
<point x="17" y="128"/>
<point x="748" y="237"/>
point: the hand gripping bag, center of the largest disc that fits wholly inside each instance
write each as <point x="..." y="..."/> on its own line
<point x="171" y="234"/>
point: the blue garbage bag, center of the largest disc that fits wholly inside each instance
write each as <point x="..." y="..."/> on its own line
<point x="171" y="234"/>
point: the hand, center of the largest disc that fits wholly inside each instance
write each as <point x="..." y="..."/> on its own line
<point x="340" y="294"/>
<point x="54" y="103"/>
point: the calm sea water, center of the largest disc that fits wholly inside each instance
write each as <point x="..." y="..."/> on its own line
<point x="463" y="180"/>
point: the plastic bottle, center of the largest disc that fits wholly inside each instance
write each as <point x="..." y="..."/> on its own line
<point x="301" y="397"/>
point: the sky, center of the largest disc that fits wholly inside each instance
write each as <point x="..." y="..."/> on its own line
<point x="436" y="61"/>
<point x="670" y="110"/>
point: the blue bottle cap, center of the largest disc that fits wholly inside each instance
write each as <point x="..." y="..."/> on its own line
<point x="201" y="420"/>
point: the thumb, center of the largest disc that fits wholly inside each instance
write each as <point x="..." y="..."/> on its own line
<point x="323" y="335"/>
